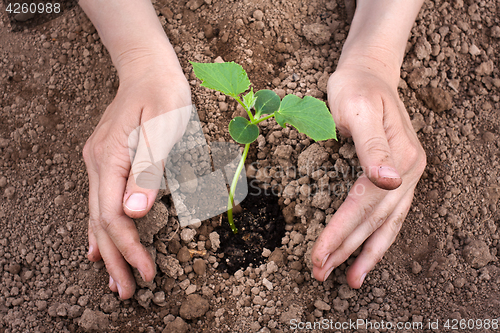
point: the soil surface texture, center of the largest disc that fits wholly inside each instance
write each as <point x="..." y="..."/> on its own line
<point x="56" y="80"/>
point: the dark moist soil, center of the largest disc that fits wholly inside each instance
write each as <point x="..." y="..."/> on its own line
<point x="260" y="225"/>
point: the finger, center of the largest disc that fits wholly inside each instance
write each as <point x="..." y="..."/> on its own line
<point x="362" y="199"/>
<point x="366" y="125"/>
<point x="378" y="243"/>
<point x="93" y="253"/>
<point x="149" y="146"/>
<point x="120" y="228"/>
<point x="121" y="278"/>
<point x="112" y="285"/>
<point x="367" y="227"/>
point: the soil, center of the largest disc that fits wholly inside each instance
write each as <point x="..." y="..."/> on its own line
<point x="260" y="224"/>
<point x="56" y="80"/>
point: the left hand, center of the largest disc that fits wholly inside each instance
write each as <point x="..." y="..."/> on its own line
<point x="366" y="106"/>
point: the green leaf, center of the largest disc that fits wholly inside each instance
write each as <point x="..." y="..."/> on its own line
<point x="227" y="77"/>
<point x="243" y="131"/>
<point x="249" y="99"/>
<point x="308" y="115"/>
<point x="267" y="102"/>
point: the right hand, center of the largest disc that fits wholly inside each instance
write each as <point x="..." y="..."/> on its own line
<point x="151" y="84"/>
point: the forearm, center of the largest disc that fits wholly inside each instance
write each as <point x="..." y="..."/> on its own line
<point x="129" y="29"/>
<point x="379" y="33"/>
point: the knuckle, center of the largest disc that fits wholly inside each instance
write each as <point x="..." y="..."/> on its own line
<point x="422" y="163"/>
<point x="99" y="150"/>
<point x="377" y="146"/>
<point x="86" y="152"/>
<point x="94" y="151"/>
<point x="358" y="102"/>
<point x="376" y="254"/>
<point x="416" y="158"/>
<point x="396" y="223"/>
<point x="106" y="221"/>
<point x="376" y="220"/>
<point x="128" y="252"/>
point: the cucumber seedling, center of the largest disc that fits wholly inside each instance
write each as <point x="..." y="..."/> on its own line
<point x="308" y="115"/>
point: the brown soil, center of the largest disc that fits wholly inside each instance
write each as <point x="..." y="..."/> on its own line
<point x="56" y="79"/>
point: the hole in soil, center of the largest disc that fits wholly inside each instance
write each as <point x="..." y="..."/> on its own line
<point x="260" y="225"/>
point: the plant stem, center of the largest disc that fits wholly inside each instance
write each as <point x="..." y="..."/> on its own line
<point x="263" y="118"/>
<point x="250" y="115"/>
<point x="230" y="201"/>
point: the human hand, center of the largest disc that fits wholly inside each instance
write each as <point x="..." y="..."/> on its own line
<point x="365" y="105"/>
<point x="152" y="86"/>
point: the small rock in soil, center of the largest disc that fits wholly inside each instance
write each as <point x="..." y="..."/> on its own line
<point x="418" y="122"/>
<point x="176" y="326"/>
<point x="347" y="151"/>
<point x="109" y="303"/>
<point x="294" y="312"/>
<point x="345" y="292"/>
<point x="415" y="267"/>
<point x="94" y="320"/>
<point x="321" y="200"/>
<point x="277" y="257"/>
<point x="340" y="305"/>
<point x="214" y="240"/>
<point x="75" y="311"/>
<point x="9" y="192"/>
<point x="169" y="265"/>
<point x="436" y="99"/>
<point x="317" y="33"/>
<point x="485" y="69"/>
<point x="194" y="306"/>
<point x="312" y="158"/>
<point x="183" y="255"/>
<point x="322" y="305"/>
<point x="144" y="297"/>
<point x="14" y="268"/>
<point x="199" y="266"/>
<point x="151" y="224"/>
<point x="187" y="234"/>
<point x="60" y="200"/>
<point x="477" y="254"/>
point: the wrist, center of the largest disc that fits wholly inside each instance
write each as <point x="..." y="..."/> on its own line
<point x="379" y="61"/>
<point x="138" y="60"/>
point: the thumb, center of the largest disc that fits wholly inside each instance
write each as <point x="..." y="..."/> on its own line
<point x="149" y="146"/>
<point x="144" y="180"/>
<point x="374" y="153"/>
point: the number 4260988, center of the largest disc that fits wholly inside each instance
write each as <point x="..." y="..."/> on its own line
<point x="34" y="8"/>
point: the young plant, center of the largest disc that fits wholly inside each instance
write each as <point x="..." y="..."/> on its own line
<point x="308" y="115"/>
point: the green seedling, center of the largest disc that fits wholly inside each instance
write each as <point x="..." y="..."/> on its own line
<point x="308" y="115"/>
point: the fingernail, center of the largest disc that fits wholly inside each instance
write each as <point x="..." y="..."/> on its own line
<point x="111" y="281"/>
<point x="91" y="249"/>
<point x="387" y="172"/>
<point x="119" y="290"/>
<point x="327" y="274"/>
<point x="137" y="202"/>
<point x="362" y="279"/>
<point x="324" y="260"/>
<point x="142" y="275"/>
